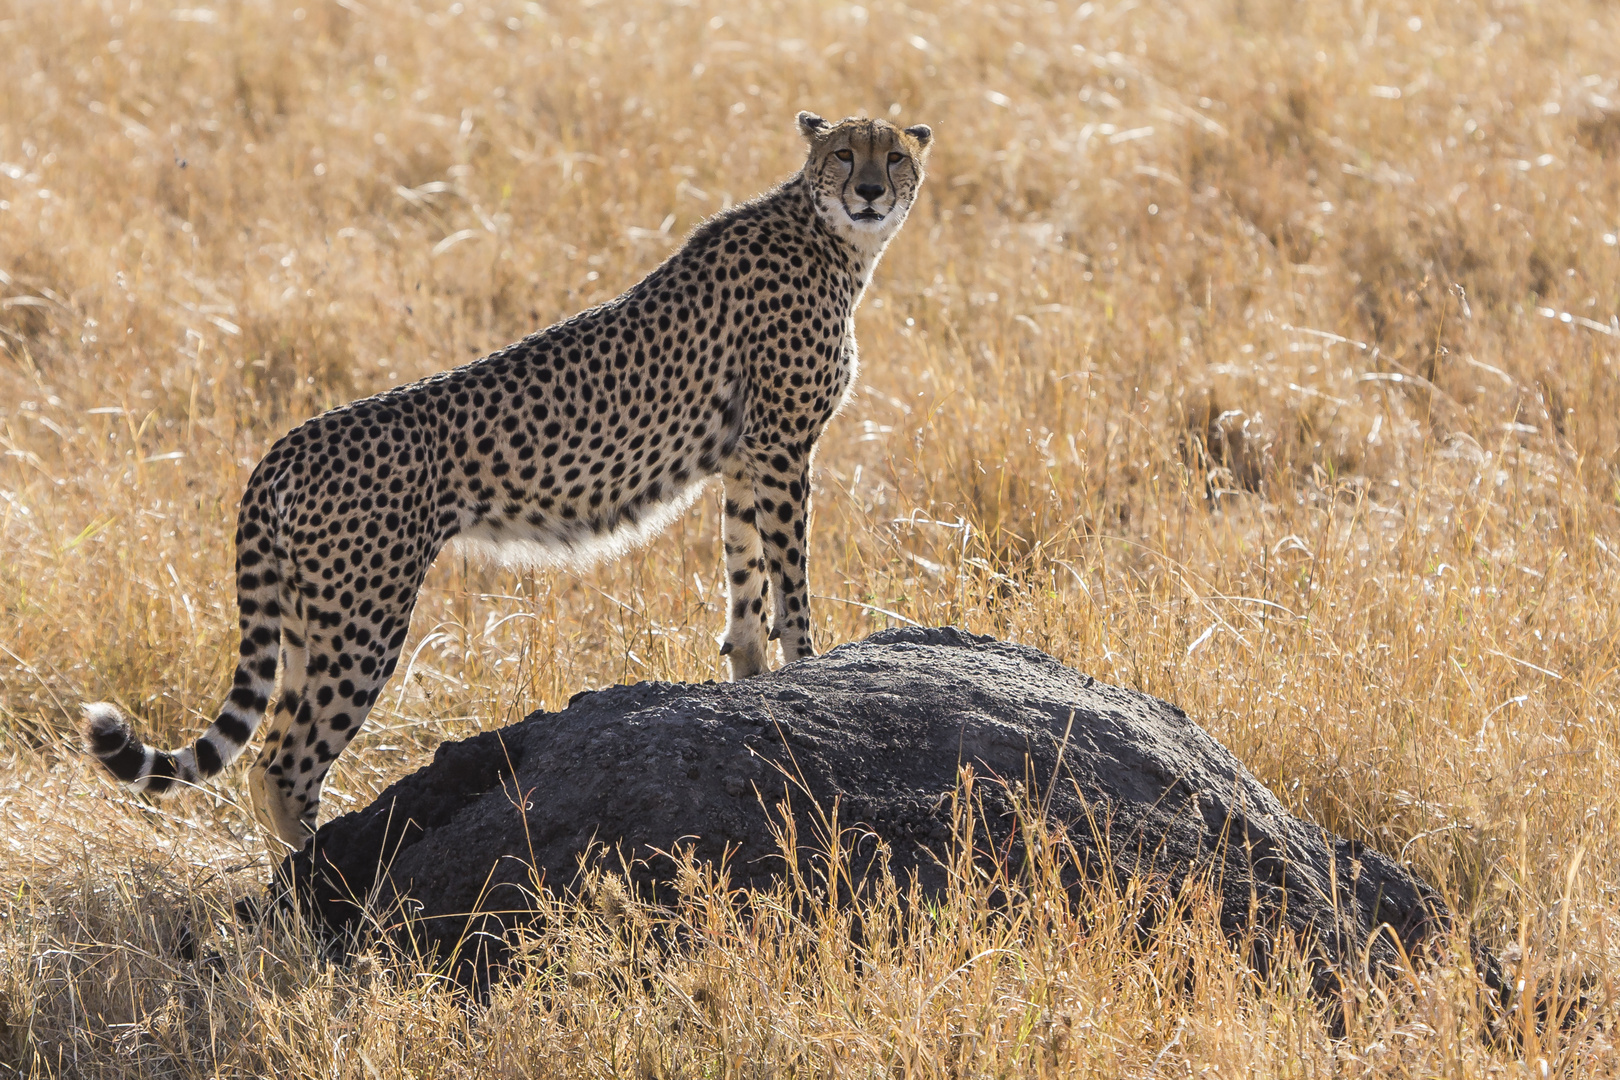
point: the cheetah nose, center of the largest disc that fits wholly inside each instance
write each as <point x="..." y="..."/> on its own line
<point x="869" y="192"/>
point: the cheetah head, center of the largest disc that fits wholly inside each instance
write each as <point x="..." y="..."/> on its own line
<point x="865" y="174"/>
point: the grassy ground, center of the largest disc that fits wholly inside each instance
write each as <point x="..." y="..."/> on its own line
<point x="1260" y="355"/>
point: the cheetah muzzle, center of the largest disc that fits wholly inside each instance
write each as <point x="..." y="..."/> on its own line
<point x="578" y="441"/>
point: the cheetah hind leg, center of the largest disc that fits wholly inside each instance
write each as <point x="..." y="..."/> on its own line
<point x="746" y="584"/>
<point x="271" y="808"/>
<point x="271" y="805"/>
<point x="348" y="663"/>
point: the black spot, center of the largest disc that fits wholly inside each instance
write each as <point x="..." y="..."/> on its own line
<point x="236" y="730"/>
<point x="162" y="776"/>
<point x="208" y="759"/>
<point x="126" y="764"/>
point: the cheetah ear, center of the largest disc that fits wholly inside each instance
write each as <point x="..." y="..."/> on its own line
<point x="811" y="126"/>
<point x="922" y="133"/>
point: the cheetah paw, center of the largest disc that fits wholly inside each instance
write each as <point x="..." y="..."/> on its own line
<point x="745" y="659"/>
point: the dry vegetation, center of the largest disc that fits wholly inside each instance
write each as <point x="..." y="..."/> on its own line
<point x="1257" y="354"/>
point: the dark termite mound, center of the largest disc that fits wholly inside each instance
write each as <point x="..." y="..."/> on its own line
<point x="880" y="728"/>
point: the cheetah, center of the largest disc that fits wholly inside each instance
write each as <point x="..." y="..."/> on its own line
<point x="577" y="442"/>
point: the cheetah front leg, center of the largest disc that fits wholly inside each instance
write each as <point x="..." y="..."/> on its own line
<point x="747" y="587"/>
<point x="783" y="494"/>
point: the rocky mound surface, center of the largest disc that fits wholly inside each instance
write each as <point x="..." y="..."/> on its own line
<point x="882" y="726"/>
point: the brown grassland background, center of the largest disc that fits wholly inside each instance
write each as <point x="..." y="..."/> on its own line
<point x="1260" y="355"/>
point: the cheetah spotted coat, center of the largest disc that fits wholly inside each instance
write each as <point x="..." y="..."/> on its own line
<point x="728" y="359"/>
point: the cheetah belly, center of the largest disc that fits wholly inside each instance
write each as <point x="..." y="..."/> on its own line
<point x="576" y="542"/>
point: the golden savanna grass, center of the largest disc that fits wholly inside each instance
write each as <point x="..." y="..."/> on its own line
<point x="1259" y="355"/>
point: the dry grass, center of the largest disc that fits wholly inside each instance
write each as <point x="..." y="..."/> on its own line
<point x="1257" y="354"/>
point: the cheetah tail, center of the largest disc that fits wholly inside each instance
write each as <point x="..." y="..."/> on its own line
<point x="111" y="739"/>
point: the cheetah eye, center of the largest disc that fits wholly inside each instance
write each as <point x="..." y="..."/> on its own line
<point x="843" y="155"/>
<point x="894" y="158"/>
